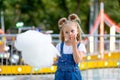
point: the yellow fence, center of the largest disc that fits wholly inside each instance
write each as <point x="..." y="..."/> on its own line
<point x="90" y="62"/>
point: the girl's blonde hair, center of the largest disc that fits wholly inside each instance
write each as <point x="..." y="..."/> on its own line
<point x="71" y="18"/>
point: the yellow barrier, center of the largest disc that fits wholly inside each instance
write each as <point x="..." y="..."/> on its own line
<point x="89" y="62"/>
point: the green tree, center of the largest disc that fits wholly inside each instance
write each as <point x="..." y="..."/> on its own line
<point x="46" y="13"/>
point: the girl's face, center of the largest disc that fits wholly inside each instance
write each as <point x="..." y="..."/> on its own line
<point x="70" y="31"/>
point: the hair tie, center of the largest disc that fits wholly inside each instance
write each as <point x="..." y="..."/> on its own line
<point x="61" y="22"/>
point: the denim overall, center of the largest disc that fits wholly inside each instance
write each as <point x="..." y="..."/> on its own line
<point x="67" y="69"/>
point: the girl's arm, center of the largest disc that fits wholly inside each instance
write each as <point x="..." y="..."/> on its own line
<point x="77" y="55"/>
<point x="55" y="61"/>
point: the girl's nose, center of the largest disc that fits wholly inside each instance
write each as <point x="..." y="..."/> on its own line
<point x="70" y="33"/>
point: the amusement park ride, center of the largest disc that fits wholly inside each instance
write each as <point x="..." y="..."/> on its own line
<point x="89" y="62"/>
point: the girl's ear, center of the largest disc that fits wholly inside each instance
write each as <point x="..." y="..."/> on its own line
<point x="61" y="22"/>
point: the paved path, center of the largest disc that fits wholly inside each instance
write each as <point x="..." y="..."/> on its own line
<point x="28" y="77"/>
<point x="102" y="74"/>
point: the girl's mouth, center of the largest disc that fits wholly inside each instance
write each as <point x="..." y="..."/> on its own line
<point x="70" y="37"/>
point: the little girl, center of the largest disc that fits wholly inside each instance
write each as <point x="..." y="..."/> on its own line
<point x="70" y="48"/>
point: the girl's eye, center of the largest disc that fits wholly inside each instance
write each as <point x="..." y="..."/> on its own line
<point x="72" y="31"/>
<point x="66" y="32"/>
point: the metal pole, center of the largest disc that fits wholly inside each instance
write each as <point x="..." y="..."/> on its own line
<point x="2" y="22"/>
<point x="91" y="45"/>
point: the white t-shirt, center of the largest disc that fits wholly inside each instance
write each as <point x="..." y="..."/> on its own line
<point x="69" y="50"/>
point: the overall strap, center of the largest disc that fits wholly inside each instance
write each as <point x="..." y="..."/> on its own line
<point x="61" y="47"/>
<point x="78" y="45"/>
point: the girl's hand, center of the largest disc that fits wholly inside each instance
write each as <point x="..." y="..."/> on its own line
<point x="73" y="40"/>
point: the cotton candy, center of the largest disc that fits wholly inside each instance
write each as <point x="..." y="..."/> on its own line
<point x="37" y="48"/>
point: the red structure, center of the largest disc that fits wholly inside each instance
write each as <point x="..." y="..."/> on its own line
<point x="100" y="20"/>
<point x="1" y="32"/>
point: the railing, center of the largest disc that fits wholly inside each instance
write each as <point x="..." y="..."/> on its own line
<point x="95" y="42"/>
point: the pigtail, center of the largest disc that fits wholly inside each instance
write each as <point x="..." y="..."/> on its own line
<point x="74" y="17"/>
<point x="61" y="22"/>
